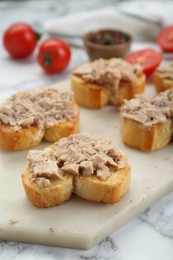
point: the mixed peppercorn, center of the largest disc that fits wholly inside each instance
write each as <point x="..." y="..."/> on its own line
<point x="109" y="38"/>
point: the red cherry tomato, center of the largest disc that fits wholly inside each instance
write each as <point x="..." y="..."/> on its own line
<point x="149" y="59"/>
<point x="54" y="55"/>
<point x="165" y="39"/>
<point x="20" y="40"/>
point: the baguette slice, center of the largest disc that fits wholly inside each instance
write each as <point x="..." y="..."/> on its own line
<point x="128" y="90"/>
<point x="146" y="121"/>
<point x="109" y="191"/>
<point x="96" y="96"/>
<point x="18" y="140"/>
<point x="29" y="136"/>
<point x="102" y="82"/>
<point x="90" y="167"/>
<point x="163" y="77"/>
<point x="162" y="83"/>
<point x="136" y="135"/>
<point x="87" y="94"/>
<point x="64" y="129"/>
<point x="89" y="188"/>
<point x="46" y="196"/>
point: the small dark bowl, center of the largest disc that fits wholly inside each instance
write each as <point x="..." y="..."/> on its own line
<point x="106" y="50"/>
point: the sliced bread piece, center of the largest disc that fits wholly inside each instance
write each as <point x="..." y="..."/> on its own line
<point x="146" y="122"/>
<point x="163" y="77"/>
<point x="88" y="166"/>
<point x="102" y="82"/>
<point x="28" y="117"/>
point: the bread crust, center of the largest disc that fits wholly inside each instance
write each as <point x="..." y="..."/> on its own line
<point x="53" y="134"/>
<point x="95" y="96"/>
<point x="162" y="83"/>
<point x="43" y="197"/>
<point x="109" y="191"/>
<point x="128" y="90"/>
<point x="87" y="187"/>
<point x="28" y="137"/>
<point x="87" y="94"/>
<point x="146" y="138"/>
<point x="19" y="140"/>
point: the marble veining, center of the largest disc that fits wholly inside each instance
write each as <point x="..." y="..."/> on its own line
<point x="107" y="249"/>
<point x="139" y="238"/>
<point x="160" y="217"/>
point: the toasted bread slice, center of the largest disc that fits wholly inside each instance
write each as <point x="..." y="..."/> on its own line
<point x="146" y="121"/>
<point x="102" y="82"/>
<point x="19" y="140"/>
<point x="89" y="167"/>
<point x="162" y="83"/>
<point x="128" y="90"/>
<point x="136" y="135"/>
<point x="87" y="94"/>
<point x="27" y="136"/>
<point x="96" y="96"/>
<point x="90" y="188"/>
<point x="109" y="191"/>
<point x="64" y="129"/>
<point x="46" y="196"/>
<point x="163" y="77"/>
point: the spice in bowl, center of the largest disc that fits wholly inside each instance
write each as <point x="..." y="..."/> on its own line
<point x="107" y="44"/>
<point x="109" y="38"/>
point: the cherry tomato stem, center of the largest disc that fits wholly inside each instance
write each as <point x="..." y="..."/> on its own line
<point x="54" y="55"/>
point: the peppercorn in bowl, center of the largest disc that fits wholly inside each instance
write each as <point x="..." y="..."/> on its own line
<point x="107" y="44"/>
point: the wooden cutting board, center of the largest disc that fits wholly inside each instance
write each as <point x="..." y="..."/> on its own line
<point x="78" y="223"/>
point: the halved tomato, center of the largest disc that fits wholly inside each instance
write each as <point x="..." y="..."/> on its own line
<point x="165" y="39"/>
<point x="149" y="59"/>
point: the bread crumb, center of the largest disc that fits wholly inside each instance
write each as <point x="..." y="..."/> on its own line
<point x="12" y="222"/>
<point x="51" y="230"/>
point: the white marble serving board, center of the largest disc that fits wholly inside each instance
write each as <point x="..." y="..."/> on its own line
<point x="78" y="223"/>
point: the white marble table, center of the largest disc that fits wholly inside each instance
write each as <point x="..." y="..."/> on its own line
<point x="149" y="236"/>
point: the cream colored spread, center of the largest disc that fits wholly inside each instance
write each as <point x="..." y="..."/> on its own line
<point x="41" y="107"/>
<point x="149" y="110"/>
<point x="166" y="70"/>
<point x="108" y="73"/>
<point x="77" y="154"/>
<point x="164" y="102"/>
